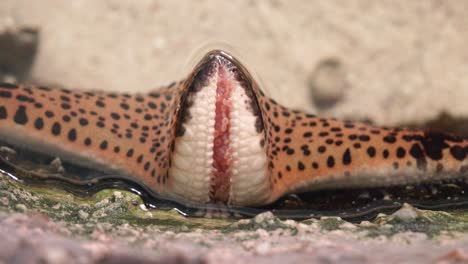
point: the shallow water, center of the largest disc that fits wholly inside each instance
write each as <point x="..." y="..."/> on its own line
<point x="357" y="204"/>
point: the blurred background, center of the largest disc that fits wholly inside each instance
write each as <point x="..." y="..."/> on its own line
<point x="388" y="62"/>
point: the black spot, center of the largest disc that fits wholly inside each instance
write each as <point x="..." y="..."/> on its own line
<point x="267" y="106"/>
<point x="371" y="152"/>
<point x="349" y="125"/>
<point x="66" y="118"/>
<point x="56" y="129"/>
<point x="352" y="137"/>
<point x="140" y="159"/>
<point x="8" y="86"/>
<point x="72" y="134"/>
<point x="347" y="157"/>
<point x="38" y="105"/>
<point x="288" y="168"/>
<point x="417" y="153"/>
<point x="130" y="153"/>
<point x="323" y="134"/>
<point x="322" y="149"/>
<point x="286" y="114"/>
<point x="115" y="116"/>
<point x="100" y="124"/>
<point x="434" y="143"/>
<point x="83" y="121"/>
<point x="20" y="116"/>
<point x="389" y="139"/>
<point x="124" y="106"/>
<point x="49" y="114"/>
<point x="335" y="129"/>
<point x="3" y="112"/>
<point x="103" y="145"/>
<point x="5" y="94"/>
<point x="315" y="165"/>
<point x="364" y="138"/>
<point x="100" y="103"/>
<point x="385" y="153"/>
<point x="401" y="152"/>
<point x="307" y="134"/>
<point x="65" y="98"/>
<point x="87" y="141"/>
<point x="65" y="106"/>
<point x="408" y="138"/>
<point x="300" y="166"/>
<point x="24" y="98"/>
<point x="147" y="117"/>
<point x="152" y="105"/>
<point x="147" y="165"/>
<point x="39" y="123"/>
<point x="357" y="145"/>
<point x="330" y="162"/>
<point x="290" y="151"/>
<point x="338" y="143"/>
<point x="458" y="152"/>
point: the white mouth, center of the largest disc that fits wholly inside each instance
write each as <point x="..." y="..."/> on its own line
<point x="219" y="157"/>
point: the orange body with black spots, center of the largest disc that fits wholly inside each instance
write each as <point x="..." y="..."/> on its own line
<point x="215" y="137"/>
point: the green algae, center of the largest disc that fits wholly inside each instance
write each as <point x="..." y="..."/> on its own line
<point x="116" y="210"/>
<point x="114" y="207"/>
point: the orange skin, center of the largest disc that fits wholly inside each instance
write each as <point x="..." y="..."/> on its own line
<point x="135" y="134"/>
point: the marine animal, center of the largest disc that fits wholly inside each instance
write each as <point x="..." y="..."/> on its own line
<point x="214" y="137"/>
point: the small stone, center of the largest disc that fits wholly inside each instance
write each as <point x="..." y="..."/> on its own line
<point x="143" y="207"/>
<point x="83" y="215"/>
<point x="406" y="213"/>
<point x="347" y="226"/>
<point x="56" y="165"/>
<point x="118" y="195"/>
<point x="21" y="207"/>
<point x="266" y="217"/>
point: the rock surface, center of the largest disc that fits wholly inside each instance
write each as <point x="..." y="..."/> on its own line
<point x="403" y="61"/>
<point x="40" y="225"/>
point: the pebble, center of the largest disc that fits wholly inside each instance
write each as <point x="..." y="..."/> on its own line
<point x="83" y="215"/>
<point x="21" y="208"/>
<point x="118" y="195"/>
<point x="347" y="226"/>
<point x="143" y="207"/>
<point x="406" y="213"/>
